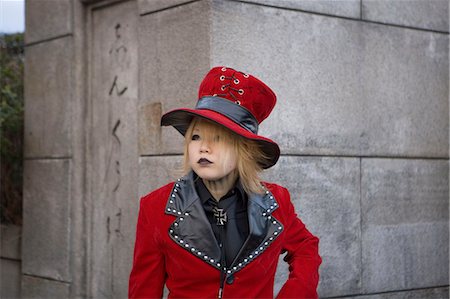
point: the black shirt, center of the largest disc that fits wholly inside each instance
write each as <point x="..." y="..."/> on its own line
<point x="232" y="232"/>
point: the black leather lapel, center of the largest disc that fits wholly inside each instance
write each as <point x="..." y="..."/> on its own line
<point x="191" y="229"/>
<point x="264" y="229"/>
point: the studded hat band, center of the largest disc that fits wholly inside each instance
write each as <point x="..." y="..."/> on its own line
<point x="233" y="111"/>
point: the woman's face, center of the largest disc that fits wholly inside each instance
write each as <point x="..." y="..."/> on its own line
<point x="210" y="159"/>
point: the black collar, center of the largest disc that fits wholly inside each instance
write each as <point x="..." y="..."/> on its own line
<point x="205" y="195"/>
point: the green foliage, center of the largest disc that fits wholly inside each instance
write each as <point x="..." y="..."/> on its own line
<point x="11" y="126"/>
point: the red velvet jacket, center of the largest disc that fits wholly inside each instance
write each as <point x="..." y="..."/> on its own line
<point x="175" y="245"/>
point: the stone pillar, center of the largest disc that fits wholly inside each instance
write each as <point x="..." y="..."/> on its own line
<point x="48" y="165"/>
<point x="362" y="120"/>
<point x="112" y="160"/>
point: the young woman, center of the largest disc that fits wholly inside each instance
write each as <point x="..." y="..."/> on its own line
<point x="218" y="231"/>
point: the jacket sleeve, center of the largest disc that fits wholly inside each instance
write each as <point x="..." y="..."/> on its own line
<point x="148" y="274"/>
<point x="302" y="256"/>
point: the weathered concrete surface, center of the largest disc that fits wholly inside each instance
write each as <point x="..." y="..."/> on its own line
<point x="432" y="15"/>
<point x="47" y="19"/>
<point x="40" y="288"/>
<point x="344" y="87"/>
<point x="46" y="223"/>
<point x="403" y="115"/>
<point x="404" y="208"/>
<point x="9" y="278"/>
<point x="167" y="168"/>
<point x="432" y="293"/>
<point x="113" y="149"/>
<point x="47" y="80"/>
<point x="174" y="57"/>
<point x="342" y="8"/>
<point x="148" y="6"/>
<point x="325" y="193"/>
<point x="11" y="236"/>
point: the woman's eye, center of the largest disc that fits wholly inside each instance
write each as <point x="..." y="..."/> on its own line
<point x="217" y="138"/>
<point x="195" y="137"/>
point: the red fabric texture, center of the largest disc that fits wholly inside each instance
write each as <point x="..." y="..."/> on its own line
<point x="158" y="260"/>
<point x="247" y="90"/>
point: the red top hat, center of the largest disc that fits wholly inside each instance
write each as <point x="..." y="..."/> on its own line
<point x="232" y="99"/>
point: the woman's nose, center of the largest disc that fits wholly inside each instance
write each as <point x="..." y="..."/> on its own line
<point x="204" y="147"/>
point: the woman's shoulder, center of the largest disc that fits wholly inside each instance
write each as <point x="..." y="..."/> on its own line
<point x="275" y="188"/>
<point x="280" y="193"/>
<point x="158" y="196"/>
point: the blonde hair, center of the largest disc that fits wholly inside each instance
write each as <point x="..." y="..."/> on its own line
<point x="250" y="157"/>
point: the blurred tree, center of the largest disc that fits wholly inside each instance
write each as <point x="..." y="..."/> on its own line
<point x="11" y="126"/>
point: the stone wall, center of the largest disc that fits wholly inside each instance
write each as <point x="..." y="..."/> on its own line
<point x="362" y="120"/>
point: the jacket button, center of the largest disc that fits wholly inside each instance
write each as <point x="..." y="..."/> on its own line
<point x="230" y="279"/>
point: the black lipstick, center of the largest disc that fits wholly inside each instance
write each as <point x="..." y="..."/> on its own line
<point x="204" y="161"/>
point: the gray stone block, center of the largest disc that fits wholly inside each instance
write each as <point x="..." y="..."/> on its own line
<point x="174" y="52"/>
<point x="46" y="223"/>
<point x="9" y="279"/>
<point x="431" y="14"/>
<point x="155" y="172"/>
<point x="404" y="224"/>
<point x="41" y="288"/>
<point x="148" y="6"/>
<point x="46" y="19"/>
<point x="325" y="193"/>
<point x="11" y="236"/>
<point x="431" y="293"/>
<point x="344" y="87"/>
<point x="342" y="8"/>
<point x="48" y="75"/>
<point x="405" y="92"/>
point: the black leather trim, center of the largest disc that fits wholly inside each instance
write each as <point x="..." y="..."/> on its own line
<point x="239" y="114"/>
<point x="192" y="230"/>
